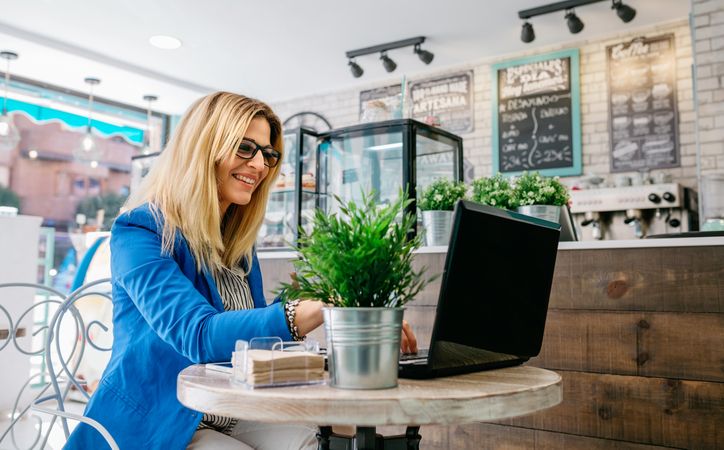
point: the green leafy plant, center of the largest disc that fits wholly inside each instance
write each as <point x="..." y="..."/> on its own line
<point x="109" y="202"/>
<point x="494" y="191"/>
<point x="533" y="189"/>
<point x="8" y="197"/>
<point x="441" y="195"/>
<point x="358" y="258"/>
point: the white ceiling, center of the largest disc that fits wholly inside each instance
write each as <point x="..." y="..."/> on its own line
<point x="274" y="50"/>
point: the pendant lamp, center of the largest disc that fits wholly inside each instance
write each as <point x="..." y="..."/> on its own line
<point x="147" y="142"/>
<point x="88" y="151"/>
<point x="9" y="134"/>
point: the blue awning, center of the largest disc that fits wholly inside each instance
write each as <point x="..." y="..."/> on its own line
<point x="43" y="114"/>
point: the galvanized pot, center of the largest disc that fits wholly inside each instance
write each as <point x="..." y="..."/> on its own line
<point x="363" y="346"/>
<point x="546" y="212"/>
<point x="437" y="227"/>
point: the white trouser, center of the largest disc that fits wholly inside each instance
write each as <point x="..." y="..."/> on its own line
<point x="257" y="436"/>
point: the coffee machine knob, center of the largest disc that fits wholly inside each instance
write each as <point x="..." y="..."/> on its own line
<point x="654" y="198"/>
<point x="669" y="197"/>
<point x="674" y="223"/>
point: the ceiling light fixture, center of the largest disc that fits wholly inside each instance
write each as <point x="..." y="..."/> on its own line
<point x="88" y="151"/>
<point x="527" y="34"/>
<point x="355" y="69"/>
<point x="387" y="62"/>
<point x="424" y="55"/>
<point x="624" y="12"/>
<point x="9" y="134"/>
<point x="147" y="149"/>
<point x="165" y="42"/>
<point x="575" y="24"/>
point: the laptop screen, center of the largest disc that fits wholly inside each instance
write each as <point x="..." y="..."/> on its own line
<point x="496" y="283"/>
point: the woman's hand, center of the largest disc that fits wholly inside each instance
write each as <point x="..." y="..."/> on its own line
<point x="308" y="316"/>
<point x="408" y="343"/>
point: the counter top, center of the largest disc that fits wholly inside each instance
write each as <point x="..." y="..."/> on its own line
<point x="580" y="245"/>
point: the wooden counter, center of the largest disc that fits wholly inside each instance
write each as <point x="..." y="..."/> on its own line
<point x="637" y="334"/>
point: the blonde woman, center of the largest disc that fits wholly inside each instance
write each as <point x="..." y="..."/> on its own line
<point x="187" y="285"/>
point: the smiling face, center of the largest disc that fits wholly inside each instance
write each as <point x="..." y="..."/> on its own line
<point x="238" y="178"/>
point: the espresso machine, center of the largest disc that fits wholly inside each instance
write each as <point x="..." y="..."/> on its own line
<point x="634" y="212"/>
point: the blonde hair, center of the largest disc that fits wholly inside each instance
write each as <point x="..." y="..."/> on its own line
<point x="182" y="186"/>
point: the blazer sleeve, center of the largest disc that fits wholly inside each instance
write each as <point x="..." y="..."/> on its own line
<point x="172" y="306"/>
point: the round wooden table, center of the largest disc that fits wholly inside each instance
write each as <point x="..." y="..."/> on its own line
<point x="475" y="397"/>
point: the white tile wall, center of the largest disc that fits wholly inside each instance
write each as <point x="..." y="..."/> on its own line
<point x="341" y="108"/>
<point x="708" y="35"/>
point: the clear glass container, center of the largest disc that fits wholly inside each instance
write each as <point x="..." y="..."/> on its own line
<point x="294" y="195"/>
<point x="381" y="156"/>
<point x="712" y="200"/>
<point x="385" y="157"/>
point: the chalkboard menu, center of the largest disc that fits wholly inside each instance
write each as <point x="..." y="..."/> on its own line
<point x="446" y="102"/>
<point x="536" y="115"/>
<point x="642" y="104"/>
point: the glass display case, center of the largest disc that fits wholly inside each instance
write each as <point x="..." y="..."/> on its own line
<point x="295" y="194"/>
<point x="385" y="157"/>
<point x="382" y="156"/>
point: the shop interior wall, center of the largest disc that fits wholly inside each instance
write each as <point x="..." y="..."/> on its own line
<point x="708" y="37"/>
<point x="341" y="108"/>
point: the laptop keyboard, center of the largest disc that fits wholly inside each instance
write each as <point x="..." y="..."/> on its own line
<point x="421" y="354"/>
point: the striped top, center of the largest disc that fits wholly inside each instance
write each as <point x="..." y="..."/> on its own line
<point x="235" y="294"/>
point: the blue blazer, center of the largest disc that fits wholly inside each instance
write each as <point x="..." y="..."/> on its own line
<point x="166" y="316"/>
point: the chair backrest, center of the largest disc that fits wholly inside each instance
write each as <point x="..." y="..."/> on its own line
<point x="77" y="321"/>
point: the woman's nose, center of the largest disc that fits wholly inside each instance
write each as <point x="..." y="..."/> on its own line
<point x="257" y="161"/>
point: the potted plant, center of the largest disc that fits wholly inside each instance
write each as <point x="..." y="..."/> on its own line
<point x="494" y="191"/>
<point x="541" y="197"/>
<point x="436" y="202"/>
<point x="360" y="262"/>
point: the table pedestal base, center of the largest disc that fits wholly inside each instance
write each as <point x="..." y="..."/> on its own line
<point x="367" y="439"/>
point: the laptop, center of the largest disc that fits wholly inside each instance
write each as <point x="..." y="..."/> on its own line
<point x="493" y="299"/>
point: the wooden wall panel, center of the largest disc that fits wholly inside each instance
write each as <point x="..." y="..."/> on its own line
<point x="686" y="279"/>
<point x="686" y="346"/>
<point x="657" y="411"/>
<point x="589" y="341"/>
<point x="493" y="437"/>
<point x="673" y="345"/>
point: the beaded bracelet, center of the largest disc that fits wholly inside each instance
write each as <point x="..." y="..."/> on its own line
<point x="290" y="308"/>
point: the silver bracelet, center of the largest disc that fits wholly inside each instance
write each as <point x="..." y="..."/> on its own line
<point x="290" y="308"/>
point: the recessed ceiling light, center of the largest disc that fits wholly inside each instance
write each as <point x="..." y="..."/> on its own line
<point x="165" y="42"/>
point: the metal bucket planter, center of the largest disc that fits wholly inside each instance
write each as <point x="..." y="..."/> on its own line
<point x="437" y="227"/>
<point x="363" y="346"/>
<point x="546" y="212"/>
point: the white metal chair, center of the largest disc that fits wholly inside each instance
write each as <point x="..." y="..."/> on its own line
<point x="61" y="365"/>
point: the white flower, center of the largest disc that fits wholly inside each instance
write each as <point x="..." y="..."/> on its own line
<point x="437" y="197"/>
<point x="492" y="202"/>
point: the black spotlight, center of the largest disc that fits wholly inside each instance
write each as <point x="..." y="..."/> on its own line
<point x="624" y="12"/>
<point x="527" y="34"/>
<point x="355" y="69"/>
<point x="424" y="55"/>
<point x="389" y="64"/>
<point x="574" y="23"/>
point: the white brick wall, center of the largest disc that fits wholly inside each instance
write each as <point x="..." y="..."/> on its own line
<point x="341" y="108"/>
<point x="708" y="35"/>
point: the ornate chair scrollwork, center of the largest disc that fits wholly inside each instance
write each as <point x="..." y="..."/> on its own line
<point x="63" y="350"/>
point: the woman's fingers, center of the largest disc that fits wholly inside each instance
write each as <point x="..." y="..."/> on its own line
<point x="408" y="343"/>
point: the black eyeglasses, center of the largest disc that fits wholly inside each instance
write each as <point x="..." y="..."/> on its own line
<point x="248" y="148"/>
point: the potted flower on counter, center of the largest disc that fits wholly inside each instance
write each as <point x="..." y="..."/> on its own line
<point x="360" y="262"/>
<point x="494" y="191"/>
<point x="538" y="196"/>
<point x="436" y="202"/>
